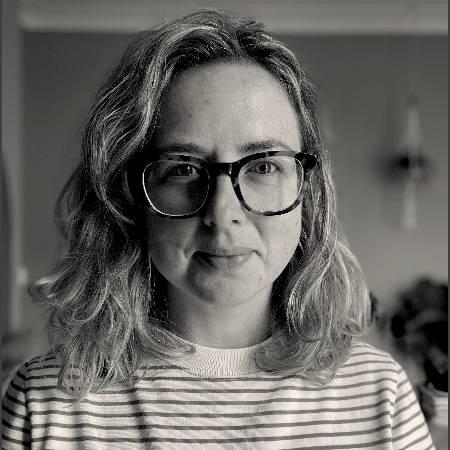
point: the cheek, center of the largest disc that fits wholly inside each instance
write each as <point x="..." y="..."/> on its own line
<point x="167" y="241"/>
<point x="282" y="239"/>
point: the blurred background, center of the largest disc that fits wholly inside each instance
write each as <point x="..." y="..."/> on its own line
<point x="381" y="67"/>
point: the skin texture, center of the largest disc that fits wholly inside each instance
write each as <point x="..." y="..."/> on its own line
<point x="221" y="301"/>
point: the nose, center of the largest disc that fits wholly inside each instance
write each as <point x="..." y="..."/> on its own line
<point x="223" y="208"/>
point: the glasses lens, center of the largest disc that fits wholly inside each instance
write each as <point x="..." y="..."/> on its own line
<point x="176" y="187"/>
<point x="271" y="184"/>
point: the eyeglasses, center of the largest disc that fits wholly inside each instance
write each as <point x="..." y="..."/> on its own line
<point x="266" y="183"/>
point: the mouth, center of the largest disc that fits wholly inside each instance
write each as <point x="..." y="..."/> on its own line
<point x="225" y="259"/>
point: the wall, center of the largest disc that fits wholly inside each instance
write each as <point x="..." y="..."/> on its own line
<point x="62" y="74"/>
<point x="11" y="165"/>
<point x="365" y="83"/>
<point x="364" y="88"/>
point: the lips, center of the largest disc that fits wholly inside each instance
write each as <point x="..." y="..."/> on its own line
<point x="225" y="259"/>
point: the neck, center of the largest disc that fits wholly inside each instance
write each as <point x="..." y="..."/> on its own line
<point x="215" y="325"/>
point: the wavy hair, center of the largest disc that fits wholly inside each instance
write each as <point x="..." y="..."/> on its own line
<point x="106" y="316"/>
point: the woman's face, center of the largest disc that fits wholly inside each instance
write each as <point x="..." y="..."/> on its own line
<point x="226" y="255"/>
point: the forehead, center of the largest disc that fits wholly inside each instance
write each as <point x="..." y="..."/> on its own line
<point x="227" y="105"/>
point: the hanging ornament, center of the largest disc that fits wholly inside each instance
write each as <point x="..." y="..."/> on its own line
<point x="410" y="164"/>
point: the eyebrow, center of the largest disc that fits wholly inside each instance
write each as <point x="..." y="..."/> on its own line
<point x="252" y="147"/>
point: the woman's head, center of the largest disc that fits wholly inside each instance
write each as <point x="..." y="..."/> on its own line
<point x="104" y="287"/>
<point x="225" y="255"/>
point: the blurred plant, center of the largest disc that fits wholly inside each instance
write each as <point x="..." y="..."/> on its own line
<point x="421" y="326"/>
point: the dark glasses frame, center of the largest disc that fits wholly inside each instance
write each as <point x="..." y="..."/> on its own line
<point x="307" y="160"/>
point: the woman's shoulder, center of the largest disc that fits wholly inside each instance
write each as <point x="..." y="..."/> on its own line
<point x="45" y="358"/>
<point x="38" y="367"/>
<point x="35" y="372"/>
<point x="366" y="362"/>
<point x="361" y="349"/>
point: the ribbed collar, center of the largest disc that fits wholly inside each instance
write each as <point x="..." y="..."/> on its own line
<point x="221" y="362"/>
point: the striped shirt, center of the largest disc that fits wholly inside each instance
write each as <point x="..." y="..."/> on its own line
<point x="218" y="399"/>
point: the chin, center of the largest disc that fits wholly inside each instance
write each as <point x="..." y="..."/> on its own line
<point x="229" y="292"/>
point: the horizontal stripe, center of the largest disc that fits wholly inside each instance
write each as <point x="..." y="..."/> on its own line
<point x="14" y="413"/>
<point x="142" y="401"/>
<point x="210" y="440"/>
<point x="17" y="388"/>
<point x="403" y="383"/>
<point x="320" y="389"/>
<point x="382" y="356"/>
<point x="365" y="362"/>
<point x="409" y="432"/>
<point x="210" y="427"/>
<point x="15" y="441"/>
<point x="41" y="359"/>
<point x="216" y="415"/>
<point x="41" y="377"/>
<point x="44" y="367"/>
<point x="405" y="395"/>
<point x="404" y="422"/>
<point x="21" y="376"/>
<point x="339" y="375"/>
<point x="413" y="444"/>
<point x="14" y="399"/>
<point x="410" y="405"/>
<point x="14" y="427"/>
<point x="267" y="401"/>
<point x="362" y="343"/>
<point x="249" y="379"/>
<point x="140" y="388"/>
<point x="345" y="446"/>
<point x="363" y="372"/>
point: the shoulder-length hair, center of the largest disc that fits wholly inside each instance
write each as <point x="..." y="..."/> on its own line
<point x="106" y="316"/>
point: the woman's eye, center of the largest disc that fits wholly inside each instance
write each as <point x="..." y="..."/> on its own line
<point x="264" y="167"/>
<point x="182" y="170"/>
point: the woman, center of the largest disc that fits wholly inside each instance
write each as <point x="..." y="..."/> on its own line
<point x="204" y="299"/>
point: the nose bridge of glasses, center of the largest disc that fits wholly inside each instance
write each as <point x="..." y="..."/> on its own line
<point x="217" y="204"/>
<point x="231" y="169"/>
<point x="216" y="168"/>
